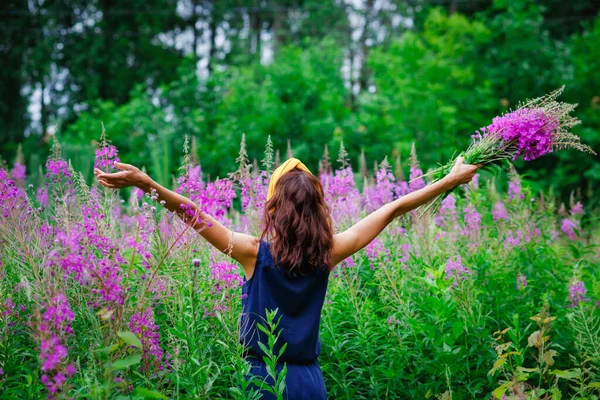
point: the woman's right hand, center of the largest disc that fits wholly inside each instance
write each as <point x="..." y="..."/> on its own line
<point x="462" y="173"/>
<point x="128" y="175"/>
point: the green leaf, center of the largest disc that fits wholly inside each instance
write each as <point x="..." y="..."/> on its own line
<point x="140" y="391"/>
<point x="263" y="348"/>
<point x="497" y="364"/>
<point x="500" y="390"/>
<point x="567" y="374"/>
<point x="282" y="350"/>
<point x="108" y="349"/>
<point x="548" y="357"/>
<point x="130" y="339"/>
<point x="263" y="329"/>
<point x="534" y="339"/>
<point x="457" y="328"/>
<point x="127" y="362"/>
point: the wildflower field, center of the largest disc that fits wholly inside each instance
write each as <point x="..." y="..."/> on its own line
<point x="104" y="295"/>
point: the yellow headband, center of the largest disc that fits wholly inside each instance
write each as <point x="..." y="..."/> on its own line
<point x="282" y="169"/>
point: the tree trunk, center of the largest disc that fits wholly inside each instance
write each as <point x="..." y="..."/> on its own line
<point x="195" y="27"/>
<point x="364" y="71"/>
<point x="212" y="27"/>
<point x="43" y="109"/>
<point x="278" y="37"/>
<point x="351" y="101"/>
<point x="453" y="7"/>
<point x="255" y="25"/>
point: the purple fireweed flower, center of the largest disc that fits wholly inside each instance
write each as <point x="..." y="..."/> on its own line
<point x="375" y="250"/>
<point x="19" y="173"/>
<point x="254" y="191"/>
<point x="569" y="227"/>
<point x="106" y="156"/>
<point x="12" y="198"/>
<point x="398" y="230"/>
<point x="342" y="195"/>
<point x="531" y="233"/>
<point x="448" y="206"/>
<point x="57" y="169"/>
<point x="325" y="178"/>
<point x="57" y="315"/>
<point x="225" y="275"/>
<point x="341" y="186"/>
<point x="217" y="198"/>
<point x="528" y="131"/>
<point x="90" y="258"/>
<point x="577" y="293"/>
<point x="142" y="324"/>
<point x="7" y="309"/>
<point x="577" y="209"/>
<point x="348" y="262"/>
<point x="521" y="282"/>
<point x="416" y="181"/>
<point x="70" y="370"/>
<point x="191" y="182"/>
<point x="514" y="190"/>
<point x="9" y="312"/>
<point x="384" y="188"/>
<point x="405" y="254"/>
<point x="54" y="330"/>
<point x="52" y="353"/>
<point x="513" y="241"/>
<point x="137" y="193"/>
<point x="500" y="212"/>
<point x="401" y="189"/>
<point x="41" y="196"/>
<point x="455" y="270"/>
<point x="106" y="270"/>
<point x="472" y="220"/>
<point x="447" y="216"/>
<point x="475" y="181"/>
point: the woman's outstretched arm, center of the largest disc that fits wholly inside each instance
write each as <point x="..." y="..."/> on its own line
<point x="245" y="247"/>
<point x="364" y="231"/>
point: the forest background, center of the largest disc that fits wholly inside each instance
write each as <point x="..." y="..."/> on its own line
<point x="377" y="75"/>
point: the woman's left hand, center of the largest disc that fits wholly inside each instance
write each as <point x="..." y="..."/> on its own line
<point x="128" y="175"/>
<point x="462" y="173"/>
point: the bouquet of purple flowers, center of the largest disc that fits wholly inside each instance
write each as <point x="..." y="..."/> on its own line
<point x="537" y="127"/>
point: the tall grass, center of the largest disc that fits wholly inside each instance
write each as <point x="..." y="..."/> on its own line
<point x="495" y="295"/>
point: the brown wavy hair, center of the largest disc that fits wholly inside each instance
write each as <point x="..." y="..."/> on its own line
<point x="297" y="221"/>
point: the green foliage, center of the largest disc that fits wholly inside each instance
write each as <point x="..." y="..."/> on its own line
<point x="430" y="86"/>
<point x="276" y="372"/>
<point x="433" y="84"/>
<point x="394" y="324"/>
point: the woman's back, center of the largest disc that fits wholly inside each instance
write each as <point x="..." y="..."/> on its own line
<point x="299" y="299"/>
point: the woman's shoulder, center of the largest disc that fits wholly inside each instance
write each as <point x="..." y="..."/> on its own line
<point x="264" y="250"/>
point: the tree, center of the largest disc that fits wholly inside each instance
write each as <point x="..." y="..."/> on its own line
<point x="430" y="90"/>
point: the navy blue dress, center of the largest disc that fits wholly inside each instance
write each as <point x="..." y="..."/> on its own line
<point x="299" y="300"/>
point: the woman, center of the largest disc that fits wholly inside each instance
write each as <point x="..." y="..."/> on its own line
<point x="288" y="267"/>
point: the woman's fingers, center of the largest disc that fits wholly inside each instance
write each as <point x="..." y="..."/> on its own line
<point x="106" y="184"/>
<point x="123" y="166"/>
<point x="112" y="177"/>
<point x="112" y="181"/>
